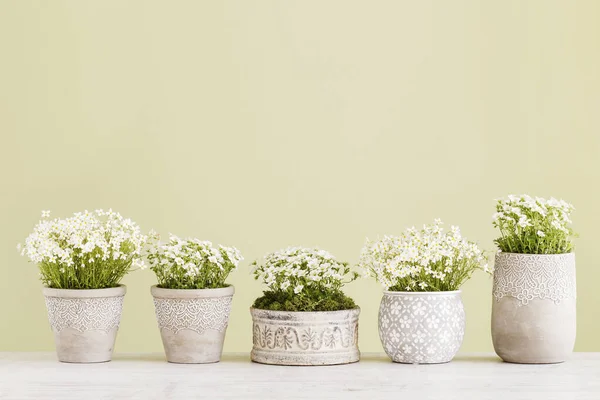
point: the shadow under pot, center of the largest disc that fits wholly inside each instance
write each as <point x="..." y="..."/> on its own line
<point x="193" y="322"/>
<point x="305" y="338"/>
<point x="84" y="322"/>
<point x="421" y="327"/>
<point x="534" y="307"/>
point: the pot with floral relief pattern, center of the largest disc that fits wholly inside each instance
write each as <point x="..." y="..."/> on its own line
<point x="84" y="322"/>
<point x="193" y="322"/>
<point x="421" y="327"/>
<point x="534" y="307"/>
<point x="305" y="338"/>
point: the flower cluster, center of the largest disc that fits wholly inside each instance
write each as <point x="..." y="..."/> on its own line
<point x="192" y="263"/>
<point x="297" y="270"/>
<point x="87" y="251"/>
<point x="430" y="259"/>
<point x="533" y="225"/>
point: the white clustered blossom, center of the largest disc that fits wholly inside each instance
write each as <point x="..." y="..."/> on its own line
<point x="533" y="225"/>
<point x="196" y="257"/>
<point x="418" y="260"/>
<point x="85" y="239"/>
<point x="302" y="268"/>
<point x="526" y="210"/>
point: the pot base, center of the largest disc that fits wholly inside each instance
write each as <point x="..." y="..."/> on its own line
<point x="270" y="358"/>
<point x="84" y="347"/>
<point x="533" y="362"/>
<point x="189" y="347"/>
<point x="422" y="363"/>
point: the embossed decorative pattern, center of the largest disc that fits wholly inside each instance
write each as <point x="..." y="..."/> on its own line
<point x="308" y="338"/>
<point x="421" y="327"/>
<point x="532" y="276"/>
<point x="197" y="315"/>
<point x="84" y="314"/>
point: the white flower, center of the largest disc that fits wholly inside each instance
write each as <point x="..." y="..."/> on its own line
<point x="415" y="259"/>
<point x="83" y="239"/>
<point x="191" y="259"/>
<point x="523" y="222"/>
<point x="301" y="268"/>
<point x="533" y="218"/>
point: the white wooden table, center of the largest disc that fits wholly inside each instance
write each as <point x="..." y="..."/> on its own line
<point x="475" y="376"/>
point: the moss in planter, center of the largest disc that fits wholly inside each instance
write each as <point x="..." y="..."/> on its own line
<point x="305" y="301"/>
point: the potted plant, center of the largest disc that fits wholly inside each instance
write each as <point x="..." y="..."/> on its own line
<point x="421" y="316"/>
<point x="81" y="260"/>
<point x="304" y="318"/>
<point x="534" y="311"/>
<point x="192" y="300"/>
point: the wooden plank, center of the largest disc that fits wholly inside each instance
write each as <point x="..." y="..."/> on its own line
<point x="149" y="376"/>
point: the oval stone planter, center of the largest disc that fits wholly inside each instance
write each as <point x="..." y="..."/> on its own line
<point x="193" y="322"/>
<point x="84" y="322"/>
<point x="534" y="307"/>
<point x="421" y="327"/>
<point x="305" y="338"/>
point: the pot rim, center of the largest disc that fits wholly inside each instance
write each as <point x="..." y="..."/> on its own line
<point x="117" y="291"/>
<point x="164" y="293"/>
<point x="441" y="293"/>
<point x="298" y="313"/>
<point x="536" y="255"/>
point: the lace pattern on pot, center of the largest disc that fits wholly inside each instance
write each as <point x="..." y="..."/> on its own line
<point x="528" y="277"/>
<point x="421" y="329"/>
<point x="308" y="339"/>
<point x="197" y="315"/>
<point x="84" y="314"/>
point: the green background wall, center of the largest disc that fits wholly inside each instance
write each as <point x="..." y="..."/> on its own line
<point x="262" y="124"/>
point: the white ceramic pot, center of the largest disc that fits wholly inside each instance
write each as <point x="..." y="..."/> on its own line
<point x="421" y="327"/>
<point x="534" y="307"/>
<point x="84" y="322"/>
<point x="193" y="322"/>
<point x="305" y="338"/>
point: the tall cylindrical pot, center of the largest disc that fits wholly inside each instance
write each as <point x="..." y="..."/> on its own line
<point x="305" y="338"/>
<point x="534" y="307"/>
<point x="84" y="322"/>
<point x="421" y="327"/>
<point x="193" y="322"/>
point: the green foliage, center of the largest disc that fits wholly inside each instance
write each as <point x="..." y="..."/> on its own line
<point x="426" y="260"/>
<point x="533" y="225"/>
<point x="192" y="264"/>
<point x="307" y="300"/>
<point x="452" y="280"/>
<point x="96" y="274"/>
<point x="90" y="250"/>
